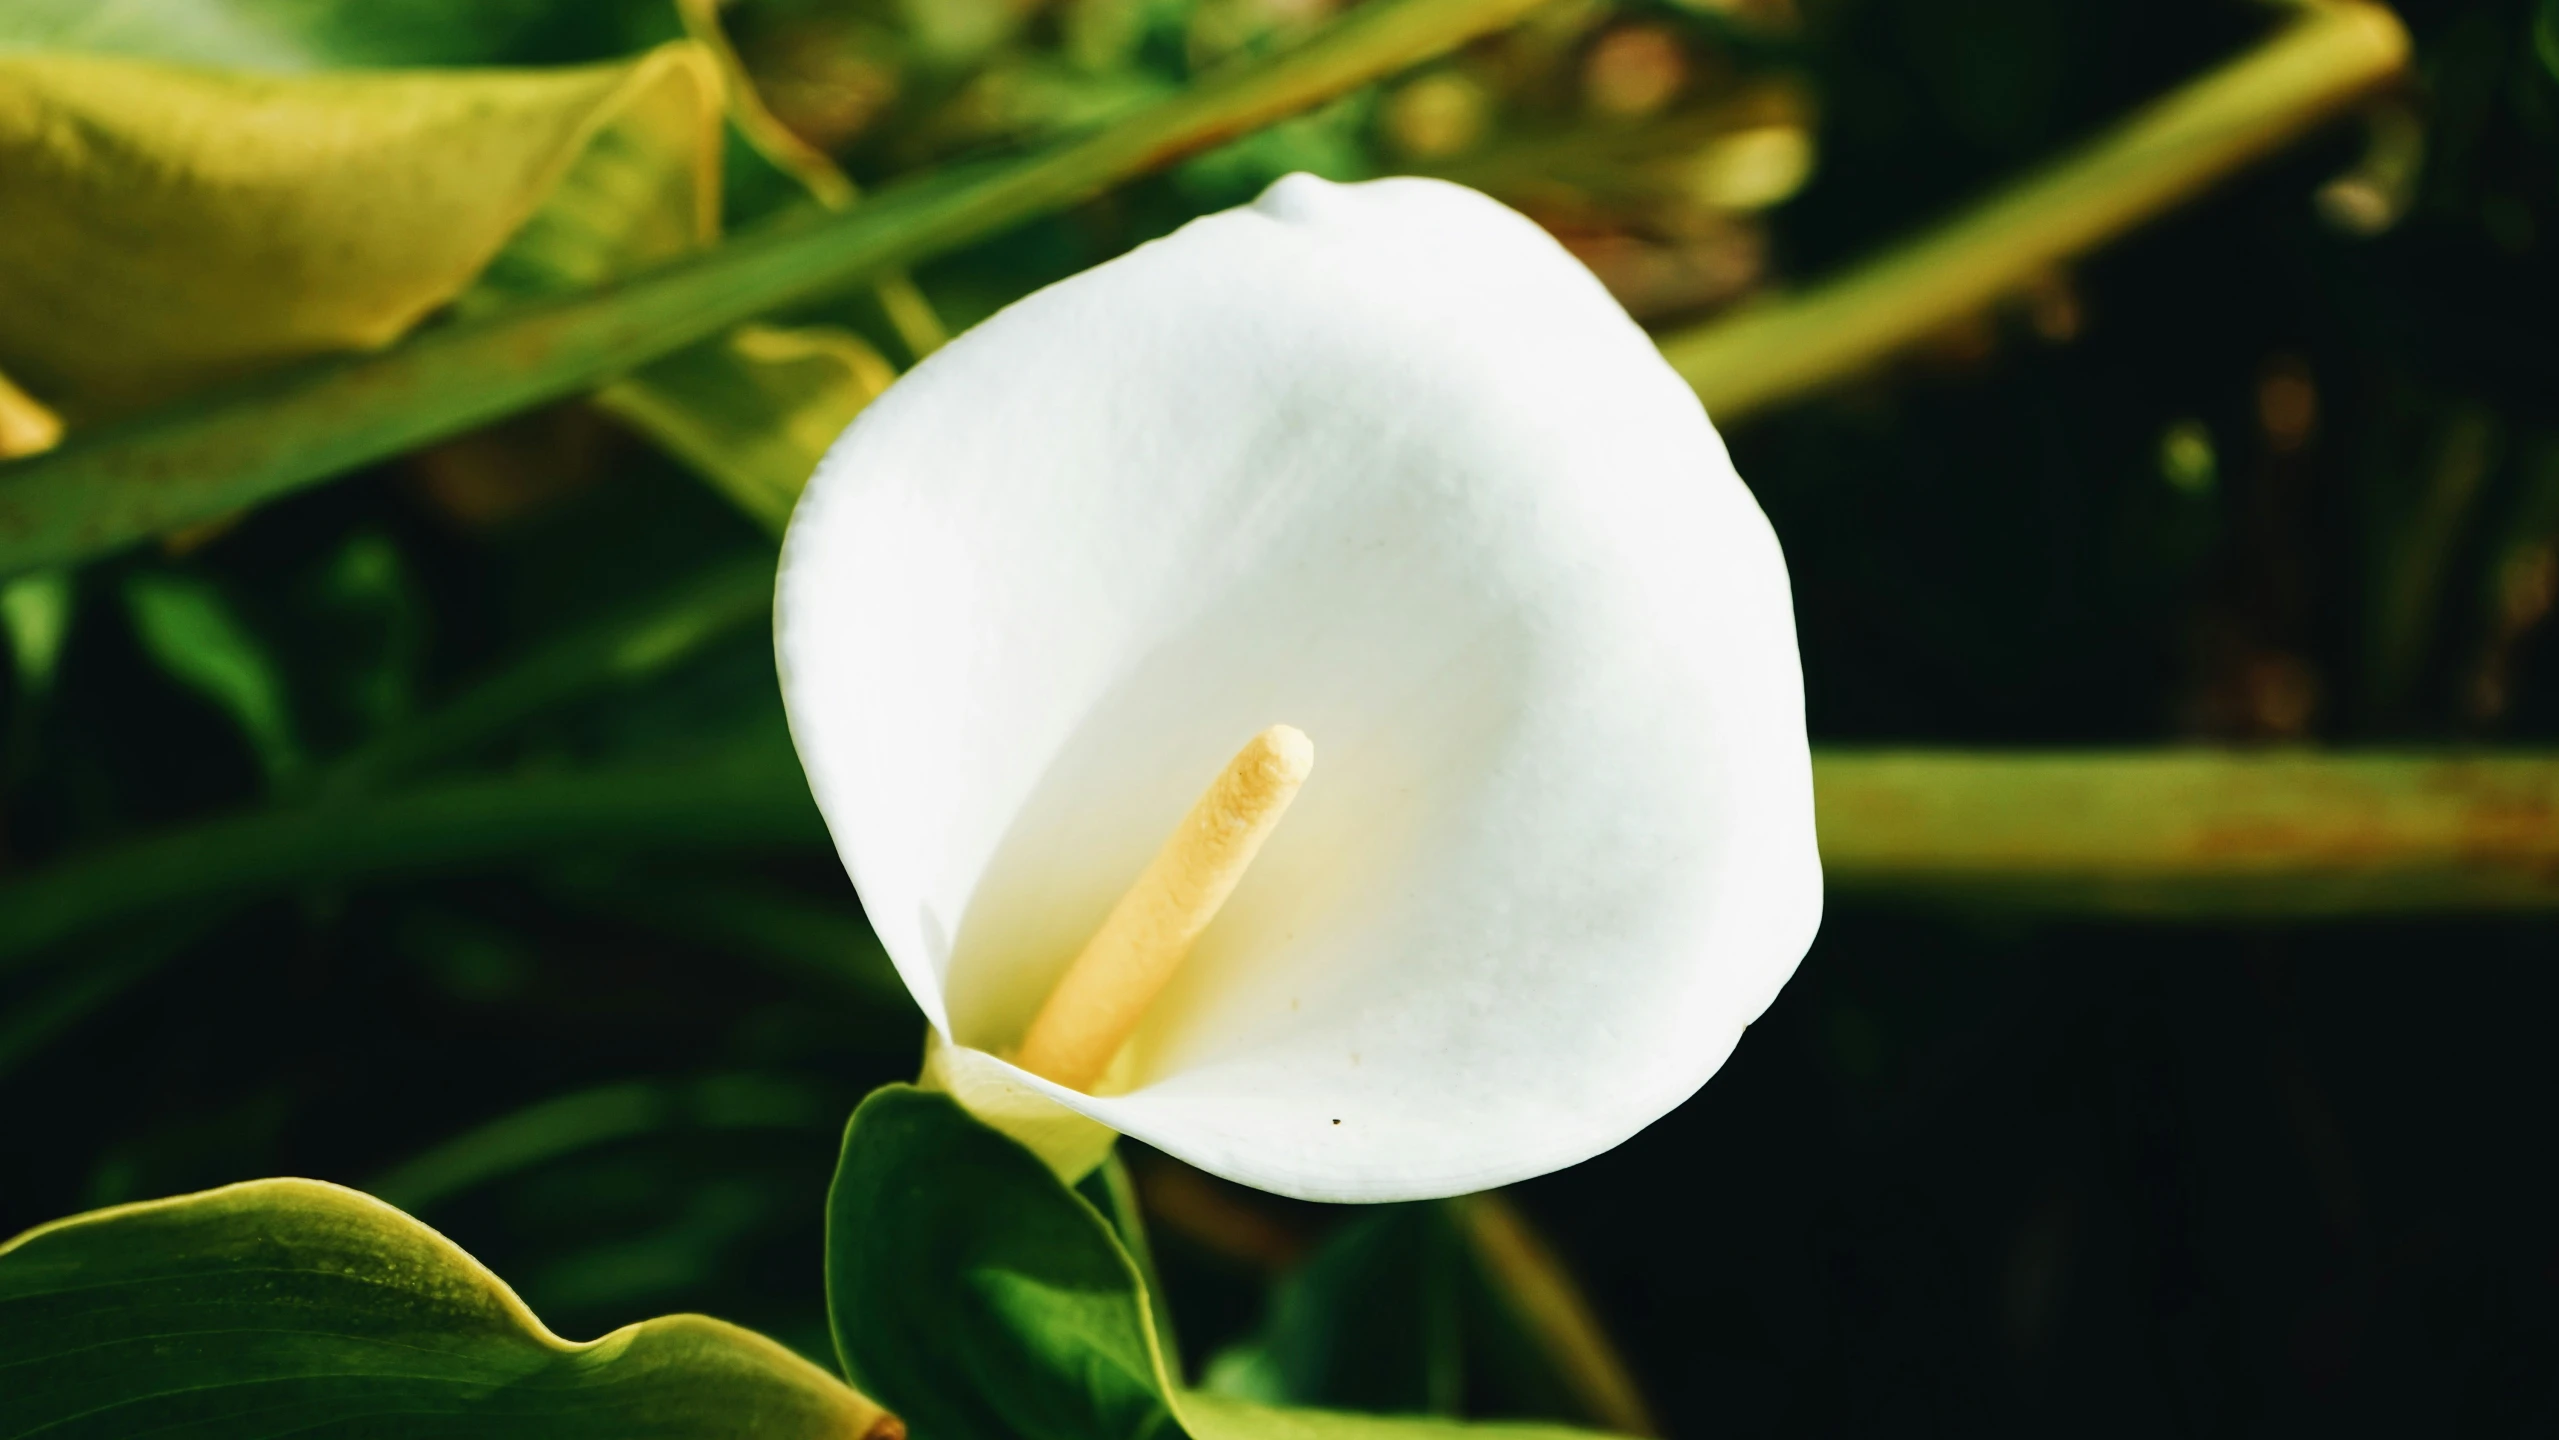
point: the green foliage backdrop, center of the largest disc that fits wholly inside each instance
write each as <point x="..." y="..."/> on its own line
<point x="2155" y="403"/>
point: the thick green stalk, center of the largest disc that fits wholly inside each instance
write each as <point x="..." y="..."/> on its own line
<point x="1765" y="353"/>
<point x="220" y="453"/>
<point x="2195" y="832"/>
<point x="2174" y="833"/>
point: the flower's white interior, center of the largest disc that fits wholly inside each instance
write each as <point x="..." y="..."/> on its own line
<point x="1383" y="463"/>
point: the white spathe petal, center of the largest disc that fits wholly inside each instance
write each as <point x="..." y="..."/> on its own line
<point x="1382" y="462"/>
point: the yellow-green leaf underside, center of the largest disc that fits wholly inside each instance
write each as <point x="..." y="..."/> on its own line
<point x="189" y="225"/>
<point x="198" y="225"/>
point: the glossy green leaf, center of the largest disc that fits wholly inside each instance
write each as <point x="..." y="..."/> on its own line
<point x="982" y="1299"/>
<point x="293" y="1307"/>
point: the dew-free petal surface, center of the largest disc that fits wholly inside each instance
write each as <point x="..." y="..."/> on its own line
<point x="1384" y="463"/>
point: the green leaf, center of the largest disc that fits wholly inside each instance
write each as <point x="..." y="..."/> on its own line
<point x="215" y="454"/>
<point x="35" y="610"/>
<point x="1412" y="1306"/>
<point x="977" y="1295"/>
<point x="974" y="1293"/>
<point x="634" y="184"/>
<point x="755" y="410"/>
<point x="292" y="35"/>
<point x="292" y="1307"/>
<point x="190" y="230"/>
<point x="194" y="635"/>
<point x="1371" y="1319"/>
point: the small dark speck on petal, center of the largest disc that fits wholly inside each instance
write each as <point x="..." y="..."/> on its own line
<point x="1337" y="1122"/>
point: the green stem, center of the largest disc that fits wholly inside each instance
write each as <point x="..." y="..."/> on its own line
<point x="2174" y="833"/>
<point x="459" y="826"/>
<point x="624" y="649"/>
<point x="221" y="453"/>
<point x="2202" y="833"/>
<point x="1765" y="353"/>
<point x="1551" y="1308"/>
<point x="587" y="1119"/>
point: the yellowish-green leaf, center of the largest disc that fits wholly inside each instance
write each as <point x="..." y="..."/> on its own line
<point x="780" y="146"/>
<point x="216" y="224"/>
<point x="815" y="172"/>
<point x="193" y="461"/>
<point x="754" y="411"/>
<point x="35" y="613"/>
<point x="750" y="411"/>
<point x="292" y="1307"/>
<point x="643" y="190"/>
<point x="25" y="425"/>
<point x="345" y="208"/>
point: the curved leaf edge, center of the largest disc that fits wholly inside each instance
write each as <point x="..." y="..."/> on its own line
<point x="861" y="1418"/>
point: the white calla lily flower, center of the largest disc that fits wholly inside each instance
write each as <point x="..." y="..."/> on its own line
<point x="1384" y="463"/>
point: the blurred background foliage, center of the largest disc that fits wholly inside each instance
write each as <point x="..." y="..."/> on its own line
<point x="450" y="785"/>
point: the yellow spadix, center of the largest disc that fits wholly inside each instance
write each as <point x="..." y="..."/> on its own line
<point x="1100" y="1000"/>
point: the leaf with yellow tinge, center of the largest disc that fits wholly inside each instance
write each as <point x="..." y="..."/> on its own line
<point x="196" y="225"/>
<point x="754" y="410"/>
<point x="25" y="426"/>
<point x="751" y="411"/>
<point x="172" y="227"/>
<point x="292" y="1307"/>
